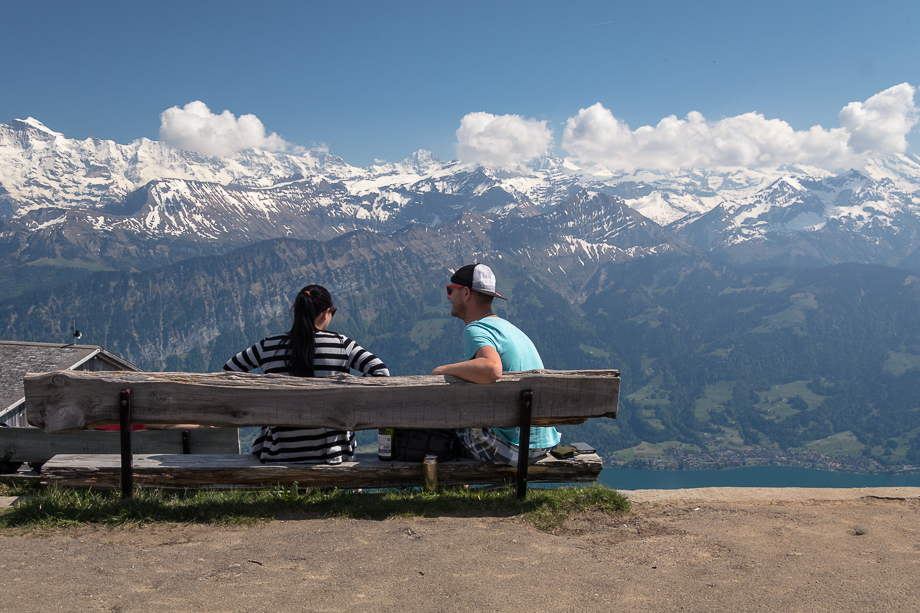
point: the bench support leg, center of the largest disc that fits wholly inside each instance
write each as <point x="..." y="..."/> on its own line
<point x="127" y="458"/>
<point x="524" y="443"/>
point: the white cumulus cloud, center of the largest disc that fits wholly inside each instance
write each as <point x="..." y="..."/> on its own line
<point x="504" y="141"/>
<point x="881" y="123"/>
<point x="195" y="128"/>
<point x="876" y="127"/>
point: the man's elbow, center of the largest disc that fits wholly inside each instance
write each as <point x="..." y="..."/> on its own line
<point x="495" y="373"/>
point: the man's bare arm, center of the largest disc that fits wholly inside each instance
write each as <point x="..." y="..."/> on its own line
<point x="485" y="367"/>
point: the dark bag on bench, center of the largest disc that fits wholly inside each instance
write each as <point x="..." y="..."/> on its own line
<point x="414" y="445"/>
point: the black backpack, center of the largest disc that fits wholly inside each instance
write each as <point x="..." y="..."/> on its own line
<point x="414" y="445"/>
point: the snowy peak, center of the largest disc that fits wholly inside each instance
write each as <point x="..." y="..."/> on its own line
<point x="23" y="135"/>
<point x="30" y="123"/>
<point x="850" y="180"/>
<point x="782" y="192"/>
<point x="40" y="167"/>
<point x="595" y="215"/>
<point x="848" y="217"/>
<point x="594" y="224"/>
<point x="902" y="169"/>
<point x="422" y="162"/>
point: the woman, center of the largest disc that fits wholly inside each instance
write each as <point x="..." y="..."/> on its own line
<point x="308" y="350"/>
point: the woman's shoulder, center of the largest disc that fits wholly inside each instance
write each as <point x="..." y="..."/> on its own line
<point x="330" y="336"/>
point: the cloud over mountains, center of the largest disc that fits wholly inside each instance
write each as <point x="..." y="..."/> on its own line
<point x="594" y="136"/>
<point x="879" y="125"/>
<point x="195" y="128"/>
<point x="501" y="140"/>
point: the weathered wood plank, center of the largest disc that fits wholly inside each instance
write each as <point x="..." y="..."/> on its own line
<point x="245" y="471"/>
<point x="20" y="478"/>
<point x="65" y="401"/>
<point x="34" y="445"/>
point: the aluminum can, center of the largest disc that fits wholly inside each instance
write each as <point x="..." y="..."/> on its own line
<point x="430" y="467"/>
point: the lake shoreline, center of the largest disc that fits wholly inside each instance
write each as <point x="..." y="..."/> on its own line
<point x="642" y="465"/>
<point x="681" y="458"/>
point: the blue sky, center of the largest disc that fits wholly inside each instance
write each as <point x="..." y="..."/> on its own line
<point x="379" y="80"/>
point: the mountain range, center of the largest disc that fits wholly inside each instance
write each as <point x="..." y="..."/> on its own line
<point x="70" y="206"/>
<point x="744" y="308"/>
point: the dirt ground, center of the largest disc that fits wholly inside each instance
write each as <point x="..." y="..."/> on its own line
<point x="716" y="549"/>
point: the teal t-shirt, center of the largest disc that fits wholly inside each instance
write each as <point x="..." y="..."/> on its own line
<point x="517" y="353"/>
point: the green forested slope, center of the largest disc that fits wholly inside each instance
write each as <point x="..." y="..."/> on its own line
<point x="712" y="357"/>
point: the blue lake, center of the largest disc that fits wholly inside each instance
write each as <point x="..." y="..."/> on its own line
<point x="749" y="476"/>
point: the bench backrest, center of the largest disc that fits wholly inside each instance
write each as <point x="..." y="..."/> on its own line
<point x="65" y="401"/>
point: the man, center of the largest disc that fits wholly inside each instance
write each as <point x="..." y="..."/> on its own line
<point x="492" y="346"/>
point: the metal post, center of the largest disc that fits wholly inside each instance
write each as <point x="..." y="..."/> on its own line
<point x="524" y="443"/>
<point x="127" y="458"/>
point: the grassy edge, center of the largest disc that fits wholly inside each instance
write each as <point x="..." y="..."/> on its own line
<point x="54" y="507"/>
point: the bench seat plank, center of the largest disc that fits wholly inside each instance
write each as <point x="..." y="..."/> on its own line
<point x="245" y="471"/>
<point x="34" y="445"/>
<point x="65" y="401"/>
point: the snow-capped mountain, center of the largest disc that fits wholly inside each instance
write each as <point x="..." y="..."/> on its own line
<point x="94" y="203"/>
<point x="849" y="217"/>
<point x="42" y="168"/>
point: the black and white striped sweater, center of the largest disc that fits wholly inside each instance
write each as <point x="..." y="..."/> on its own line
<point x="334" y="354"/>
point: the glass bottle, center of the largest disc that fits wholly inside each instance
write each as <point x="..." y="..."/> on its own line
<point x="385" y="444"/>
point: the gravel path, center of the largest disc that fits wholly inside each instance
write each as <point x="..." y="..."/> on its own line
<point x="712" y="549"/>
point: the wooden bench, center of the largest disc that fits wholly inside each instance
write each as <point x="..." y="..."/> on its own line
<point x="32" y="445"/>
<point x="67" y="401"/>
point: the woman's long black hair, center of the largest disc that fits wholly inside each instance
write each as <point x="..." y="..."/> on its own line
<point x="309" y="303"/>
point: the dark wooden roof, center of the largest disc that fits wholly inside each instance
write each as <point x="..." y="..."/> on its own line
<point x="18" y="358"/>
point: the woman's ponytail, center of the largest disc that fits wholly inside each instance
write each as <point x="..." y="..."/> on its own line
<point x="301" y="339"/>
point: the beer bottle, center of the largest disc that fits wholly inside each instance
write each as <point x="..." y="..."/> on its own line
<point x="385" y="438"/>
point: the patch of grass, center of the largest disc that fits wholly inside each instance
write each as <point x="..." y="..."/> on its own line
<point x="899" y="362"/>
<point x="650" y="317"/>
<point x="645" y="450"/>
<point x="544" y="508"/>
<point x="17" y="487"/>
<point x="730" y="437"/>
<point x="792" y="317"/>
<point x="594" y="351"/>
<point x="553" y="507"/>
<point x="796" y="388"/>
<point x="625" y="455"/>
<point x="650" y="394"/>
<point x="713" y="398"/>
<point x="842" y="443"/>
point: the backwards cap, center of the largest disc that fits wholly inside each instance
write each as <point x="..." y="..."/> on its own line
<point x="477" y="277"/>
